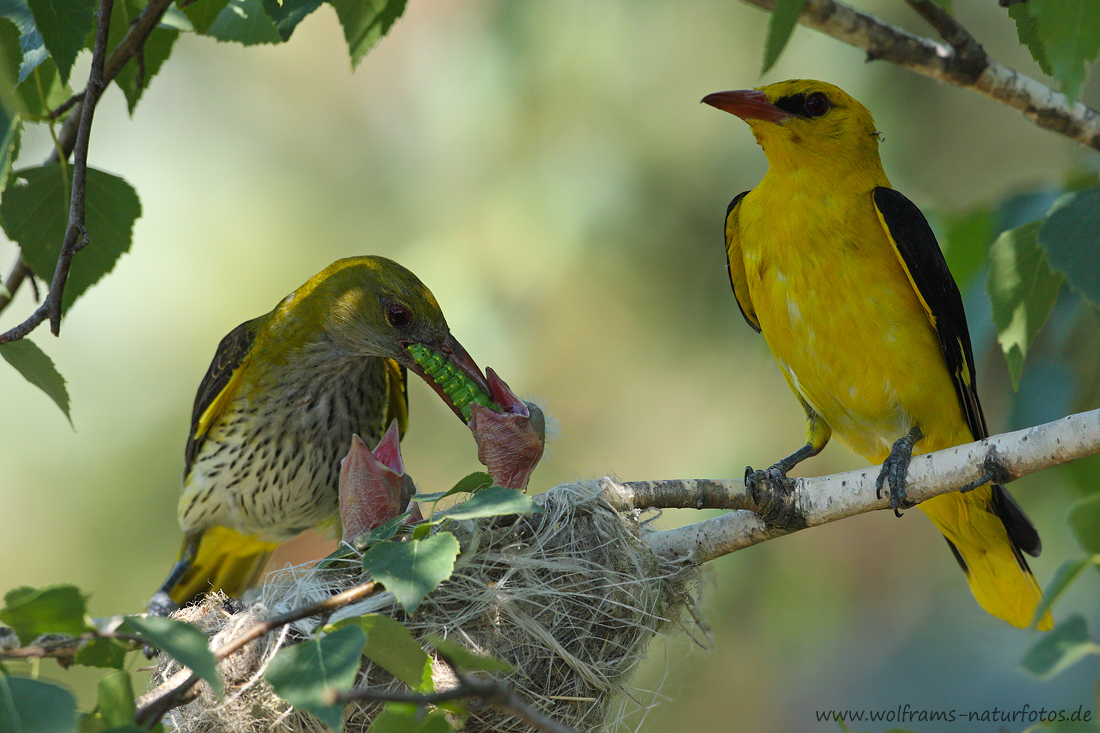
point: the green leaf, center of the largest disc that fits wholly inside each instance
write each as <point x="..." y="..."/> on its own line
<point x="365" y="22"/>
<point x="492" y="502"/>
<point x="381" y="533"/>
<point x="245" y="22"/>
<point x="471" y="484"/>
<point x="203" y="13"/>
<point x="1084" y="520"/>
<point x="42" y="91"/>
<point x="11" y="54"/>
<point x="57" y="609"/>
<point x="30" y="706"/>
<point x="1027" y="31"/>
<point x="406" y="718"/>
<point x="38" y="369"/>
<point x="183" y="642"/>
<point x="115" y="698"/>
<point x="287" y="14"/>
<point x="967" y="236"/>
<point x="780" y="26"/>
<point x="1070" y="34"/>
<point x="1059" y="649"/>
<point x="30" y="40"/>
<point x="155" y="50"/>
<point x="102" y="653"/>
<point x="1064" y="576"/>
<point x="63" y="26"/>
<point x="1071" y="237"/>
<point x="36" y="213"/>
<point x="306" y="674"/>
<point x="411" y="570"/>
<point x="392" y="647"/>
<point x="1022" y="289"/>
<point x="10" y="118"/>
<point x="467" y="660"/>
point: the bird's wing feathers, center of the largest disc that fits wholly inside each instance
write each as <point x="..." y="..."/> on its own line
<point x="217" y="387"/>
<point x="397" y="397"/>
<point x="736" y="265"/>
<point x="920" y="255"/>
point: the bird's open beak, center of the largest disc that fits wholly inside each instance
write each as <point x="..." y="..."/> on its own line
<point x="452" y="373"/>
<point x="748" y="104"/>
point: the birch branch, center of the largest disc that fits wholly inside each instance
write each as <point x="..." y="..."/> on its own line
<point x="816" y="501"/>
<point x="964" y="64"/>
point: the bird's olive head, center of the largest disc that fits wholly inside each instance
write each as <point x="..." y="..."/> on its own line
<point x="374" y="307"/>
<point x="801" y="121"/>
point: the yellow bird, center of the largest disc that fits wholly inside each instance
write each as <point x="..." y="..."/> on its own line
<point x="845" y="280"/>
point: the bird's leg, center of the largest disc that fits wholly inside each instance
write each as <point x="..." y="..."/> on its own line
<point x="895" y="467"/>
<point x="771" y="489"/>
<point x="774" y="478"/>
<point x="509" y="443"/>
<point x="161" y="604"/>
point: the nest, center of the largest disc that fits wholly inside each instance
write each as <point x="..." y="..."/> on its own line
<point x="570" y="598"/>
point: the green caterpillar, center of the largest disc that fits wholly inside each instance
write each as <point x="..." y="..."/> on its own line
<point x="455" y="383"/>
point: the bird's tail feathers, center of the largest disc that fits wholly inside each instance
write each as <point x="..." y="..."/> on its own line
<point x="984" y="534"/>
<point x="226" y="560"/>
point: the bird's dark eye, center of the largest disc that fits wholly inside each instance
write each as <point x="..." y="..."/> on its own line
<point x="398" y="315"/>
<point x="816" y="104"/>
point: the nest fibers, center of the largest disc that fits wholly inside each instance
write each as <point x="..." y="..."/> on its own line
<point x="571" y="598"/>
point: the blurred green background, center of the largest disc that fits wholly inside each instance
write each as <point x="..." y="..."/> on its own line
<point x="548" y="171"/>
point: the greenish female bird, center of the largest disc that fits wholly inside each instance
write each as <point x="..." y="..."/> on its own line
<point x="843" y="277"/>
<point x="276" y="411"/>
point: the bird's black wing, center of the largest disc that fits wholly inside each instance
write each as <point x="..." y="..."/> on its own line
<point x="735" y="265"/>
<point x="217" y="386"/>
<point x="923" y="261"/>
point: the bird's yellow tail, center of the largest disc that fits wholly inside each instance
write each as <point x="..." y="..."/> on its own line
<point x="999" y="576"/>
<point x="225" y="560"/>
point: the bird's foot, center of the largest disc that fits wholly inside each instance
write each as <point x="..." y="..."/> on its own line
<point x="894" y="469"/>
<point x="774" y="493"/>
<point x="509" y="443"/>
<point x="373" y="485"/>
<point x="160" y="605"/>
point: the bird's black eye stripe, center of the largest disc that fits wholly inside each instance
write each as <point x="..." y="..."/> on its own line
<point x="791" y="104"/>
<point x="813" y="104"/>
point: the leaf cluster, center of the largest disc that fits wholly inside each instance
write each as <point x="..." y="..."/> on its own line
<point x="40" y="41"/>
<point x="309" y="675"/>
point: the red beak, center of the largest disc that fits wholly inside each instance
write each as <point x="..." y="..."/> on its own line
<point x="748" y="104"/>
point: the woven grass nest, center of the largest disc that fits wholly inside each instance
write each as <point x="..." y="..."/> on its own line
<point x="571" y="598"/>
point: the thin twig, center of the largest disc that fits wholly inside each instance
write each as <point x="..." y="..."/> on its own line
<point x="1036" y="101"/>
<point x="75" y="233"/>
<point x="491" y="691"/>
<point x="177" y="690"/>
<point x="971" y="54"/>
<point x="67" y="137"/>
<point x="67" y="105"/>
